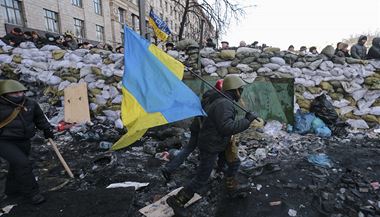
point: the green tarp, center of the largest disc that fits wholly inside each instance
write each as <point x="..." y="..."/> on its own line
<point x="271" y="98"/>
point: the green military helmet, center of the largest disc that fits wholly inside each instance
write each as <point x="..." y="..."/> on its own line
<point x="232" y="82"/>
<point x="11" y="86"/>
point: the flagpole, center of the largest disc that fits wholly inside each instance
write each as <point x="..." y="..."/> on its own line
<point x="220" y="92"/>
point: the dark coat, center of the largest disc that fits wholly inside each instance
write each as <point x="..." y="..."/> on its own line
<point x="18" y="39"/>
<point x="374" y="51"/>
<point x="359" y="51"/>
<point x="24" y="125"/>
<point x="220" y="124"/>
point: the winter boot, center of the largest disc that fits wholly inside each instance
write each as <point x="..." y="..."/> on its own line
<point x="177" y="203"/>
<point x="235" y="190"/>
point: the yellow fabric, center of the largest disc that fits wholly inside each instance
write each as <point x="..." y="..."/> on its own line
<point x="232" y="150"/>
<point x="136" y="119"/>
<point x="172" y="64"/>
<point x="160" y="34"/>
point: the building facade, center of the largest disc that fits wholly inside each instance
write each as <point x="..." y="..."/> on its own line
<point x="94" y="20"/>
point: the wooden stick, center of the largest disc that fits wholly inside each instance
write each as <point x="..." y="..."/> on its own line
<point x="63" y="162"/>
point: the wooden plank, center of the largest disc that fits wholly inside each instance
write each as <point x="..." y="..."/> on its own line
<point x="76" y="104"/>
<point x="161" y="209"/>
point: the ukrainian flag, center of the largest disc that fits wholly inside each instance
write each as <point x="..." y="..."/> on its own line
<point x="153" y="93"/>
<point x="159" y="26"/>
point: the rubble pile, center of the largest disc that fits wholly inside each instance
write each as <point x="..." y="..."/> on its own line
<point x="353" y="86"/>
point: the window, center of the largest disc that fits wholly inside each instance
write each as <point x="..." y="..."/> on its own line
<point x="135" y="22"/>
<point x="122" y="38"/>
<point x="99" y="33"/>
<point x="79" y="29"/>
<point x="11" y="9"/>
<point x="160" y="3"/>
<point x="136" y="2"/>
<point x="77" y="3"/>
<point x="98" y="6"/>
<point x="161" y="16"/>
<point x="171" y="10"/>
<point x="121" y="15"/>
<point x="166" y="7"/>
<point x="51" y="21"/>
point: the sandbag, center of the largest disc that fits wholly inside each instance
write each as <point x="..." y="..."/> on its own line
<point x="303" y="122"/>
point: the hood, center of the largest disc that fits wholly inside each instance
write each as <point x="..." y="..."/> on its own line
<point x="209" y="96"/>
<point x="376" y="42"/>
<point x="362" y="37"/>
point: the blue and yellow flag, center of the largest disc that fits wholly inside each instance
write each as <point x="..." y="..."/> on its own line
<point x="159" y="26"/>
<point x="153" y="93"/>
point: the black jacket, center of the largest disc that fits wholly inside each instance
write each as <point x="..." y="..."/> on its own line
<point x="220" y="124"/>
<point x="18" y="39"/>
<point x="374" y="51"/>
<point x="24" y="125"/>
<point x="359" y="51"/>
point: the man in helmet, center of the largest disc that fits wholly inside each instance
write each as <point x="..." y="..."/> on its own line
<point x="195" y="126"/>
<point x="19" y="118"/>
<point x="213" y="139"/>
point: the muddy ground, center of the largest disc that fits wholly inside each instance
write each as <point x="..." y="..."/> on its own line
<point x="343" y="190"/>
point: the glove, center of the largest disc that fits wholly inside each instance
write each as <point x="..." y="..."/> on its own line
<point x="48" y="134"/>
<point x="251" y="116"/>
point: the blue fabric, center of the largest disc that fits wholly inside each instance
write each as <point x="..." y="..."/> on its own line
<point x="154" y="86"/>
<point x="323" y="131"/>
<point x="321" y="160"/>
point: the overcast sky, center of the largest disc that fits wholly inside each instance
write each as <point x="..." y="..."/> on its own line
<point x="280" y="23"/>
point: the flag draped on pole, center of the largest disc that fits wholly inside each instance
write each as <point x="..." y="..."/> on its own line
<point x="160" y="28"/>
<point x="153" y="93"/>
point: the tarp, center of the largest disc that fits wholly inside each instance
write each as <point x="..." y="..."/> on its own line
<point x="271" y="98"/>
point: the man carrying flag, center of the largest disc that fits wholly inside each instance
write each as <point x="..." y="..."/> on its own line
<point x="214" y="138"/>
<point x="153" y="93"/>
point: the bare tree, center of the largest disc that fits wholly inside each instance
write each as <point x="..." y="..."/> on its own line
<point x="353" y="39"/>
<point x="219" y="12"/>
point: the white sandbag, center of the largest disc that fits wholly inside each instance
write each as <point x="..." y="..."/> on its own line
<point x="84" y="71"/>
<point x="308" y="95"/>
<point x="350" y="87"/>
<point x="118" y="73"/>
<point x="350" y="72"/>
<point x="63" y="85"/>
<point x="100" y="83"/>
<point x="359" y="94"/>
<point x="357" y="124"/>
<point x="27" y="45"/>
<point x="116" y="56"/>
<point x="296" y="72"/>
<point x="223" y="64"/>
<point x="119" y="124"/>
<point x="336" y="71"/>
<point x="372" y="95"/>
<point x="247" y="50"/>
<point x="341" y="103"/>
<point x="307" y="71"/>
<point x="105" y="94"/>
<point x="54" y="80"/>
<point x="90" y="78"/>
<point x="107" y="71"/>
<point x="205" y="52"/>
<point x="249" y="77"/>
<point x="326" y="65"/>
<point x="100" y="100"/>
<point x="49" y="48"/>
<point x="111" y="115"/>
<point x="304" y="82"/>
<point x="244" y="68"/>
<point x="323" y="73"/>
<point x="206" y="62"/>
<point x="360" y="112"/>
<point x="300" y="65"/>
<point x="375" y="110"/>
<point x="92" y="58"/>
<point x="40" y="65"/>
<point x="363" y="104"/>
<point x="113" y="92"/>
<point x="57" y="65"/>
<point x="117" y="99"/>
<point x="278" y="61"/>
<point x="81" y="52"/>
<point x="272" y="66"/>
<point x="72" y="57"/>
<point x="4" y="58"/>
<point x="264" y="70"/>
<point x="346" y="109"/>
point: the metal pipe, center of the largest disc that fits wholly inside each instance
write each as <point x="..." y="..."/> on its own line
<point x="142" y="18"/>
<point x="220" y="92"/>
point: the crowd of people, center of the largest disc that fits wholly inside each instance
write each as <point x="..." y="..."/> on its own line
<point x="66" y="41"/>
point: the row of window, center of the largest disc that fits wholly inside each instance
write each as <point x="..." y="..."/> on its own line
<point x="52" y="25"/>
<point x="97" y="5"/>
